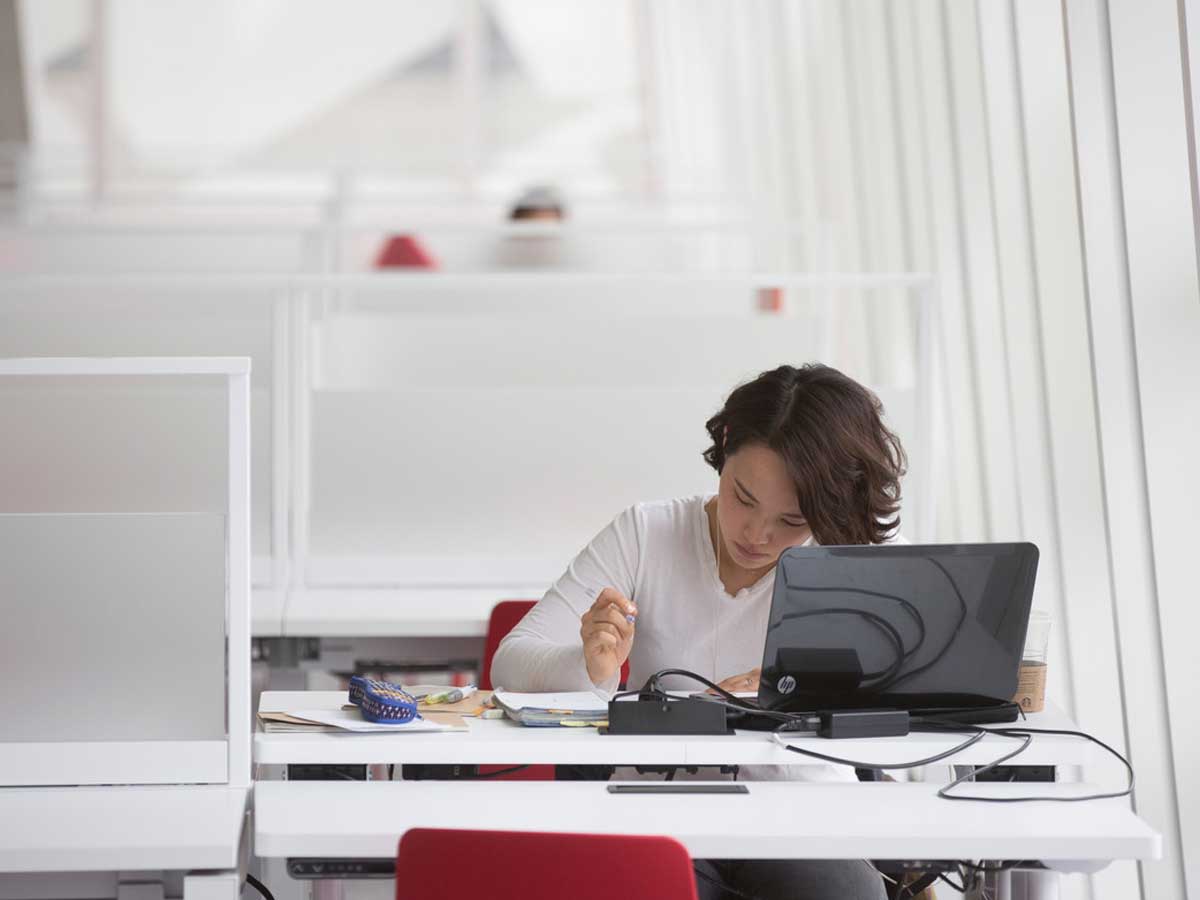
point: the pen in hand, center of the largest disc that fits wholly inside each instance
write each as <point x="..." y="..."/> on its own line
<point x="607" y="630"/>
<point x="593" y="593"/>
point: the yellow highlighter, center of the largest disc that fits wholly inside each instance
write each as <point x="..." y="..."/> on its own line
<point x="451" y="696"/>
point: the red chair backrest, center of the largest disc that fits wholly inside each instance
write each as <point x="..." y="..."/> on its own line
<point x="507" y="865"/>
<point x="505" y="615"/>
<point x="404" y="251"/>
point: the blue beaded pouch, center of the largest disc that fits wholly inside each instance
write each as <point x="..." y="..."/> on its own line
<point x="382" y="701"/>
<point x="357" y="682"/>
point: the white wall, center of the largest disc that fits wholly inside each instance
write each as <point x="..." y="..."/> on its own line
<point x="1152" y="394"/>
<point x="1040" y="159"/>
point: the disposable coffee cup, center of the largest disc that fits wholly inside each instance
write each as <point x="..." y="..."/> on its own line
<point x="1031" y="677"/>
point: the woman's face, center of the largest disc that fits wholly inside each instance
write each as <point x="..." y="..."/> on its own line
<point x="757" y="508"/>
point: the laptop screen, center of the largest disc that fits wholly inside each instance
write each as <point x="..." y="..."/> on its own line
<point x="904" y="626"/>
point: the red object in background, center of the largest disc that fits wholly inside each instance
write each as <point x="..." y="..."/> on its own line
<point x="505" y="615"/>
<point x="528" y="865"/>
<point x="404" y="251"/>
<point x="770" y="299"/>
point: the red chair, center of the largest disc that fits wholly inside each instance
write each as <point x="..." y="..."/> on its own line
<point x="505" y="615"/>
<point x="511" y="865"/>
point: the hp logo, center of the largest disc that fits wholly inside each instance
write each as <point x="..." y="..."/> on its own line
<point x="786" y="684"/>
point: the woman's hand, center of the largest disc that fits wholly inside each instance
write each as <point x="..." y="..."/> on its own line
<point x="607" y="634"/>
<point x="740" y="684"/>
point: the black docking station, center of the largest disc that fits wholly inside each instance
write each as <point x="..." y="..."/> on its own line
<point x="659" y="715"/>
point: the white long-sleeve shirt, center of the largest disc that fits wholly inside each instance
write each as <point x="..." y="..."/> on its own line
<point x="660" y="556"/>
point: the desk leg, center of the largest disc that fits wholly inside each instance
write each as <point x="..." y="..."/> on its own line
<point x="1037" y="885"/>
<point x="212" y="885"/>
<point x="328" y="889"/>
<point x="1028" y="884"/>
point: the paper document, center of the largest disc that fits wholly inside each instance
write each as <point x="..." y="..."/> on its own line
<point x="565" y="701"/>
<point x="554" y="709"/>
<point x="473" y="705"/>
<point x="352" y="720"/>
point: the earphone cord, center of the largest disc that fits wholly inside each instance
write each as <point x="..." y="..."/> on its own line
<point x="716" y="611"/>
<point x="716" y="628"/>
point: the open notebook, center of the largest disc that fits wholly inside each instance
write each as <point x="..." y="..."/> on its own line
<point x="555" y="708"/>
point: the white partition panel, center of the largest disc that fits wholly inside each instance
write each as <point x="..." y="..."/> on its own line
<point x="124" y="571"/>
<point x="167" y="248"/>
<point x="690" y="245"/>
<point x="114" y="628"/>
<point x="468" y="432"/>
<point x="480" y="434"/>
<point x="123" y="317"/>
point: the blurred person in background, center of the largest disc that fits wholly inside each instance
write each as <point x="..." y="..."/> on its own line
<point x="534" y="239"/>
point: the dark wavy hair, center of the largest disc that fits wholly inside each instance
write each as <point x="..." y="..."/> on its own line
<point x="827" y="427"/>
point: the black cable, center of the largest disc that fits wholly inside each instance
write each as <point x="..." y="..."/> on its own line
<point x="724" y="698"/>
<point x="958" y="887"/>
<point x="259" y="886"/>
<point x="651" y="686"/>
<point x="1003" y="867"/>
<point x="881" y="767"/>
<point x="924" y="723"/>
<point x="944" y="791"/>
<point x="1027" y="734"/>
<point x="962" y="617"/>
<point x="886" y="676"/>
<point x="892" y="676"/>
<point x="879" y="622"/>
<point x="912" y="610"/>
<point x="977" y="733"/>
<point x="784" y="718"/>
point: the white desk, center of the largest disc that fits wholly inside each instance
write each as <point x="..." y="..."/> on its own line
<point x="775" y="820"/>
<point x="343" y="819"/>
<point x="155" y="828"/>
<point x="504" y="742"/>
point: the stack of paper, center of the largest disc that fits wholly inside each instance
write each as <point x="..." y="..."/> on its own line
<point x="352" y="720"/>
<point x="549" y="709"/>
<point x="317" y="711"/>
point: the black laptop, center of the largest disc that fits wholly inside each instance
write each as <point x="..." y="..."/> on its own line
<point x="925" y="628"/>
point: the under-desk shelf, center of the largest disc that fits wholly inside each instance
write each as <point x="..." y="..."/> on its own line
<point x="115" y="828"/>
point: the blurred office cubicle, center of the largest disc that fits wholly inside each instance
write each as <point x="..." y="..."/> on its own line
<point x="437" y="441"/>
<point x="455" y="437"/>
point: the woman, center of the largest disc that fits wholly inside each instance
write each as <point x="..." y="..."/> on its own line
<point x="803" y="457"/>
